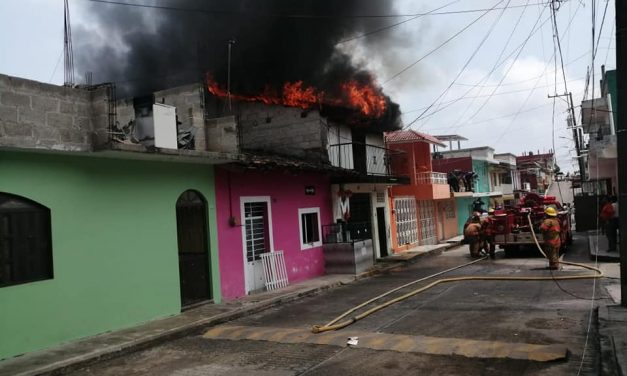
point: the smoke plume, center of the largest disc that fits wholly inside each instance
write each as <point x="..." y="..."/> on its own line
<point x="145" y="49"/>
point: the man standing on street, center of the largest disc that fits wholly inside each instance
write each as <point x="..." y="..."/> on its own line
<point x="551" y="233"/>
<point x="609" y="215"/>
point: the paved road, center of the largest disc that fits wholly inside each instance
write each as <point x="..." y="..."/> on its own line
<point x="447" y="330"/>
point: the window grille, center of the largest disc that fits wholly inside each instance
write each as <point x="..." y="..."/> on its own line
<point x="256" y="226"/>
<point x="406" y="221"/>
<point x="426" y="212"/>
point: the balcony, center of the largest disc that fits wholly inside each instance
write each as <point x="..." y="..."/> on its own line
<point x="431" y="178"/>
<point x="366" y="159"/>
<point x="427" y="186"/>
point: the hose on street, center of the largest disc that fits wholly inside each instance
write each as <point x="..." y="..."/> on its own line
<point x="335" y="324"/>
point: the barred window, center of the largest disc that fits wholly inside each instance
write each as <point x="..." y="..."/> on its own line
<point x="25" y="241"/>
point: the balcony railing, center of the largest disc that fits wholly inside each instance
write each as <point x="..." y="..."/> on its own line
<point x="431" y="178"/>
<point x="368" y="159"/>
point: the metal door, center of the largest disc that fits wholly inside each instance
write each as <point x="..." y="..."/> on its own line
<point x="191" y="222"/>
<point x="257" y="242"/>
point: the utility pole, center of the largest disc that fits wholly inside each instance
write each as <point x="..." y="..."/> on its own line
<point x="582" y="169"/>
<point x="621" y="138"/>
<point x="67" y="46"/>
<point x="231" y="42"/>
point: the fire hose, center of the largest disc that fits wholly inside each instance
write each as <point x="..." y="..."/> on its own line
<point x="336" y="325"/>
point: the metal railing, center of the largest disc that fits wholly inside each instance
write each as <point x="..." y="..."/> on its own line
<point x="431" y="178"/>
<point x="346" y="232"/>
<point x="369" y="159"/>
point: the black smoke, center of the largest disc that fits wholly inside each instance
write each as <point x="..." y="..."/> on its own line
<point x="145" y="49"/>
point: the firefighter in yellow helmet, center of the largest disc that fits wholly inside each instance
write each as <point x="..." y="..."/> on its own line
<point x="551" y="230"/>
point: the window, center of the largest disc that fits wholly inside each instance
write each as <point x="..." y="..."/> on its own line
<point x="309" y="220"/>
<point x="25" y="241"/>
<point x="257" y="230"/>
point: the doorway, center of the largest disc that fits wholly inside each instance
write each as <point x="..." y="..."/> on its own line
<point x="383" y="243"/>
<point x="193" y="249"/>
<point x="257" y="235"/>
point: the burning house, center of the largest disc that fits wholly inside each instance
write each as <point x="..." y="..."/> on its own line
<point x="168" y="180"/>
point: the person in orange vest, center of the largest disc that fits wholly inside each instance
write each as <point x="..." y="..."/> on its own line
<point x="551" y="230"/>
<point x="609" y="215"/>
<point x="472" y="234"/>
<point x="487" y="234"/>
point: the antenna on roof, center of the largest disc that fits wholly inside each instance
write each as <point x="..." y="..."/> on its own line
<point x="67" y="46"/>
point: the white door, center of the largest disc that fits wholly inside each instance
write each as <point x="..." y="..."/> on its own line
<point x="257" y="239"/>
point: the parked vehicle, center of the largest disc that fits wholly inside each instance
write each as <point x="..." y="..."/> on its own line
<point x="511" y="224"/>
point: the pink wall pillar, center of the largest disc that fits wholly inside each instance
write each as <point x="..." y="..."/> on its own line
<point x="287" y="193"/>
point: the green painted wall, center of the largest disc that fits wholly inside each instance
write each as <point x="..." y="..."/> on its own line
<point x="464" y="209"/>
<point x="114" y="245"/>
<point x="610" y="76"/>
<point x="481" y="169"/>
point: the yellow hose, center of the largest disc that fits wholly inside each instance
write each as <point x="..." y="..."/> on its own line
<point x="333" y="325"/>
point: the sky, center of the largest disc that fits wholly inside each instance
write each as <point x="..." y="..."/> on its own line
<point x="490" y="83"/>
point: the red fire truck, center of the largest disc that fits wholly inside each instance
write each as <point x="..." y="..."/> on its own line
<point x="511" y="224"/>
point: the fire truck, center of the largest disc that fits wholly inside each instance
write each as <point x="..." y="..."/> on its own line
<point x="511" y="224"/>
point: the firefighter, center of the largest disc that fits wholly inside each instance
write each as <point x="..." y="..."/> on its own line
<point x="550" y="228"/>
<point x="472" y="233"/>
<point x="487" y="234"/>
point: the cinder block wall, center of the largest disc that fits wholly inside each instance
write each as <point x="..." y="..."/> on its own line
<point x="189" y="105"/>
<point x="279" y="129"/>
<point x="35" y="115"/>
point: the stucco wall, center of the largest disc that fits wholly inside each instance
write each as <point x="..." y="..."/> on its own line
<point x="287" y="192"/>
<point x="114" y="244"/>
<point x="482" y="184"/>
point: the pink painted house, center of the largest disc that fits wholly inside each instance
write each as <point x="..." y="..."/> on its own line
<point x="260" y="211"/>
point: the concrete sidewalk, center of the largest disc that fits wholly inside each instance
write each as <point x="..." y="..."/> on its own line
<point x="598" y="245"/>
<point x="80" y="353"/>
<point x="612" y="319"/>
<point x="423" y="250"/>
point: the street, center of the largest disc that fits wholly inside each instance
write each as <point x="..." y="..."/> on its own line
<point x="455" y="317"/>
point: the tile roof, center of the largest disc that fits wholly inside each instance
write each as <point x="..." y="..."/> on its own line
<point x="411" y="135"/>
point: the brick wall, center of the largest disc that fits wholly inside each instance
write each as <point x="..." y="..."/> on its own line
<point x="43" y="116"/>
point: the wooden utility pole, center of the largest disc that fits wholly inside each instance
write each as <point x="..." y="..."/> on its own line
<point x="621" y="138"/>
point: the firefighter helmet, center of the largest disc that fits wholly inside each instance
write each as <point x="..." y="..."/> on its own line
<point x="551" y="212"/>
<point x="491" y="211"/>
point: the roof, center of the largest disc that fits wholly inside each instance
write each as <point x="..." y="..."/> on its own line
<point x="451" y="137"/>
<point x="467" y="150"/>
<point x="534" y="157"/>
<point x="411" y="135"/>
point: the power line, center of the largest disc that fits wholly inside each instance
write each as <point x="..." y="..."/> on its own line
<point x="472" y="56"/>
<point x="299" y="16"/>
<point x="570" y="22"/>
<point x="393" y="25"/>
<point x="439" y="46"/>
<point x="531" y="33"/>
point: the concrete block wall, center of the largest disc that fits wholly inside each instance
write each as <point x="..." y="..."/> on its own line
<point x="44" y="116"/>
<point x="222" y="134"/>
<point x="280" y="129"/>
<point x="189" y="104"/>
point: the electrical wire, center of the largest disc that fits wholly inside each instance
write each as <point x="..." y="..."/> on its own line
<point x="384" y="28"/>
<point x="406" y="68"/>
<point x="468" y="61"/>
<point x="485" y="102"/>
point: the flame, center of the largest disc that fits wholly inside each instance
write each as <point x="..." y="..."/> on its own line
<point x="362" y="97"/>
